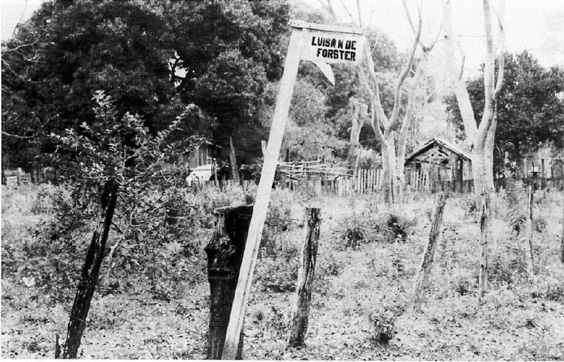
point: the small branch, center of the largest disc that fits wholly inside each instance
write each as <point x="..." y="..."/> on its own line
<point x="4" y="133"/>
<point x="394" y="119"/>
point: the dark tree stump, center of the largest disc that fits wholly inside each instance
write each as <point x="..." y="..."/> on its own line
<point x="225" y="254"/>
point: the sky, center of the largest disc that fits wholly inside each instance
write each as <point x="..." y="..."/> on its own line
<point x="534" y="25"/>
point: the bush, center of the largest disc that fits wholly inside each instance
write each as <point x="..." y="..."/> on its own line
<point x="328" y="266"/>
<point x="550" y="287"/>
<point x="279" y="273"/>
<point x="43" y="204"/>
<point x="369" y="227"/>
<point x="392" y="304"/>
<point x="278" y="220"/>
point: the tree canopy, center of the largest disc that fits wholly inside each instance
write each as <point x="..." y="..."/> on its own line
<point x="530" y="106"/>
<point x="152" y="58"/>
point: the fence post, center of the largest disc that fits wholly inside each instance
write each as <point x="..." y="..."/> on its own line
<point x="90" y="271"/>
<point x="225" y="254"/>
<point x="531" y="265"/>
<point x="484" y="236"/>
<point x="562" y="237"/>
<point x="305" y="278"/>
<point x="427" y="260"/>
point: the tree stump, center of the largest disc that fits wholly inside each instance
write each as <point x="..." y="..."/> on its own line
<point x="225" y="254"/>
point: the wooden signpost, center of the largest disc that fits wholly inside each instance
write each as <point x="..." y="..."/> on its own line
<point x="317" y="43"/>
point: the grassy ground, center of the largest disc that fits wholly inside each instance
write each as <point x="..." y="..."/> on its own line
<point x="519" y="318"/>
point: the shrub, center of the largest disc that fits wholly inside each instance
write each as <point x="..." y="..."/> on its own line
<point x="391" y="305"/>
<point x="516" y="205"/>
<point x="549" y="287"/>
<point x="278" y="220"/>
<point x="509" y="269"/>
<point x="328" y="266"/>
<point x="279" y="273"/>
<point x="368" y="227"/>
<point x="43" y="204"/>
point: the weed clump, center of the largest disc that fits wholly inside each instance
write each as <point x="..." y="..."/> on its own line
<point x="380" y="227"/>
<point x="390" y="306"/>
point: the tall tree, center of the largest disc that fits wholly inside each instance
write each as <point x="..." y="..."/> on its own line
<point x="480" y="134"/>
<point x="152" y="58"/>
<point x="530" y="107"/>
<point x="385" y="125"/>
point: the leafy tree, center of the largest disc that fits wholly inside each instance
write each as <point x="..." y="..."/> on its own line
<point x="152" y="58"/>
<point x="530" y="107"/>
<point x="229" y="52"/>
<point x="310" y="135"/>
<point x="119" y="148"/>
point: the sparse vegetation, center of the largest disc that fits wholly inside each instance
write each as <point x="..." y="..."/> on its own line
<point x="359" y="296"/>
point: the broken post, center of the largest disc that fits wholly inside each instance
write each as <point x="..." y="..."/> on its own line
<point x="225" y="253"/>
<point x="427" y="260"/>
<point x="90" y="272"/>
<point x="484" y="236"/>
<point x="305" y="278"/>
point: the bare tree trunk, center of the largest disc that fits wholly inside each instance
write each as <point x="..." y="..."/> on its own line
<point x="427" y="260"/>
<point x="388" y="170"/>
<point x="484" y="239"/>
<point x="404" y="130"/>
<point x="225" y="254"/>
<point x="356" y="126"/>
<point x="305" y="278"/>
<point x="531" y="263"/>
<point x="90" y="272"/>
<point x="480" y="138"/>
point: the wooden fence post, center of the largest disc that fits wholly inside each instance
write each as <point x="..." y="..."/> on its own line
<point x="531" y="264"/>
<point x="427" y="261"/>
<point x="225" y="254"/>
<point x="90" y="272"/>
<point x="484" y="236"/>
<point x="305" y="278"/>
<point x="562" y="236"/>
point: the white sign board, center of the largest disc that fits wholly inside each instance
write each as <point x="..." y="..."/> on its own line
<point x="332" y="47"/>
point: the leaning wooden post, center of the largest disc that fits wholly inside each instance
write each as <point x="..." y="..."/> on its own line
<point x="305" y="278"/>
<point x="427" y="261"/>
<point x="225" y="254"/>
<point x="90" y="272"/>
<point x="484" y="236"/>
<point x="313" y="50"/>
<point x="531" y="264"/>
<point x="263" y="196"/>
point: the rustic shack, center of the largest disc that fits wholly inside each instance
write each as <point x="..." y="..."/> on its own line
<point x="203" y="155"/>
<point x="439" y="165"/>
